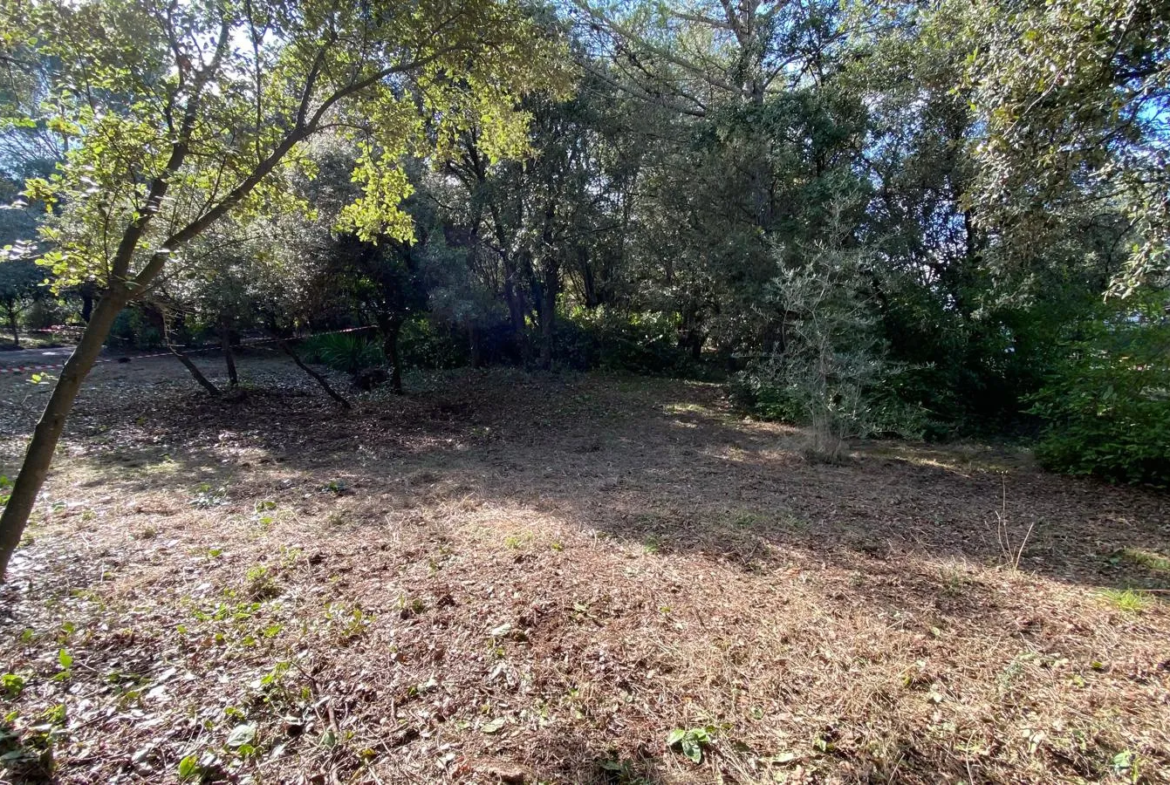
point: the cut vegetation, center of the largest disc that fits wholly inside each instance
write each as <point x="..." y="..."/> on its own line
<point x="447" y="588"/>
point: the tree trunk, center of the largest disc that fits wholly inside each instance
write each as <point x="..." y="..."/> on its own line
<point x="48" y="431"/>
<point x="225" y="343"/>
<point x="516" y="316"/>
<point x="87" y="291"/>
<point x="15" y="329"/>
<point x="473" y="346"/>
<point x="318" y="377"/>
<point x="588" y="279"/>
<point x="548" y="312"/>
<point x="158" y="317"/>
<point x="391" y="327"/>
<point x="194" y="371"/>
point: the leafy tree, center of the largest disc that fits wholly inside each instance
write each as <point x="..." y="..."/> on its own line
<point x="21" y="284"/>
<point x="828" y="360"/>
<point x="1106" y="404"/>
<point x="182" y="115"/>
<point x="1071" y="99"/>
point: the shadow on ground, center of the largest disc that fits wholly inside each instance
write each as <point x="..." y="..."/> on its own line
<point x="661" y="463"/>
<point x="843" y="605"/>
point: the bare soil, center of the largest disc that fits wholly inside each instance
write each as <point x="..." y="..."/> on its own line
<point x="504" y="577"/>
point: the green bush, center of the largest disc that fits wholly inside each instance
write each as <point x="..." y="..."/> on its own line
<point x="132" y="330"/>
<point x="426" y="342"/>
<point x="345" y="352"/>
<point x="765" y="401"/>
<point x="645" y="343"/>
<point x="1106" y="408"/>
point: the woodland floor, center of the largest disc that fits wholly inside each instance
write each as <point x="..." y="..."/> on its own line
<point x="505" y="577"/>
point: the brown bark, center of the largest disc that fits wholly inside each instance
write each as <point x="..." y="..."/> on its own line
<point x="48" y="430"/>
<point x="225" y="344"/>
<point x="196" y="374"/>
<point x="391" y="328"/>
<point x="158" y="317"/>
<point x="321" y="380"/>
<point x="548" y="312"/>
<point x="473" y="346"/>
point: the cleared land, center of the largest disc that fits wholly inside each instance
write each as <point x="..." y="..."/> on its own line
<point x="524" y="578"/>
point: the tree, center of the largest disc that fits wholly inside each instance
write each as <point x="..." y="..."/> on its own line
<point x="828" y="356"/>
<point x="1105" y="405"/>
<point x="21" y="284"/>
<point x="385" y="279"/>
<point x="1071" y="99"/>
<point x="180" y="115"/>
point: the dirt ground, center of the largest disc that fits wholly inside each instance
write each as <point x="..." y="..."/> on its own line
<point x="505" y="577"/>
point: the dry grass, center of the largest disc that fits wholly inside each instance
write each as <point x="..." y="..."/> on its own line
<point x="518" y="578"/>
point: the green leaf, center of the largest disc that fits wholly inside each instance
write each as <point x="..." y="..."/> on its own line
<point x="189" y="768"/>
<point x="65" y="659"/>
<point x="690" y="742"/>
<point x="241" y="735"/>
<point x="493" y="726"/>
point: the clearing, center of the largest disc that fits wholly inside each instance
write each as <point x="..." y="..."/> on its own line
<point x="507" y="577"/>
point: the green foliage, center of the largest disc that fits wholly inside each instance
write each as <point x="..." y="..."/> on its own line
<point x="133" y="330"/>
<point x="638" y="342"/>
<point x="21" y="286"/>
<point x="189" y="769"/>
<point x="690" y="741"/>
<point x="427" y="342"/>
<point x="1106" y="406"/>
<point x="828" y="367"/>
<point x="1069" y="98"/>
<point x="345" y="352"/>
<point x="172" y="83"/>
<point x="12" y="684"/>
<point x="1127" y="600"/>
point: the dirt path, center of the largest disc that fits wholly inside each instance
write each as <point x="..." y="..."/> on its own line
<point x="507" y="577"/>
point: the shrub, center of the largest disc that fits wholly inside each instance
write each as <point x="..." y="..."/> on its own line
<point x="829" y="371"/>
<point x="427" y="342"/>
<point x="644" y="343"/>
<point x="133" y="330"/>
<point x="1106" y="407"/>
<point x="346" y="352"/>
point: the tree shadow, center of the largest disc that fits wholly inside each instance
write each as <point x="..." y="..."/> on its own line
<point x="663" y="469"/>
<point x="665" y="464"/>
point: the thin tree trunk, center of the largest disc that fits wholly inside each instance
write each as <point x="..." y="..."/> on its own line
<point x="516" y="316"/>
<point x="548" y="315"/>
<point x="87" y="291"/>
<point x="15" y="329"/>
<point x="473" y="346"/>
<point x="391" y="331"/>
<point x="48" y="431"/>
<point x="159" y="317"/>
<point x="194" y="371"/>
<point x="319" y="378"/>
<point x="225" y="343"/>
<point x="391" y="328"/>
